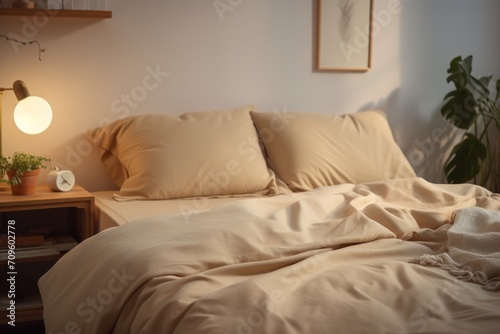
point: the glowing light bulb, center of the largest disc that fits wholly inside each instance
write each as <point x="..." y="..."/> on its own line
<point x="33" y="115"/>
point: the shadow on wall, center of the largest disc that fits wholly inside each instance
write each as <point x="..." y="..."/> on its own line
<point x="431" y="140"/>
<point x="427" y="154"/>
<point x="84" y="159"/>
<point x="423" y="76"/>
<point x="427" y="150"/>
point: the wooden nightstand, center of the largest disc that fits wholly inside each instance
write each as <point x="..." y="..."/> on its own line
<point x="51" y="216"/>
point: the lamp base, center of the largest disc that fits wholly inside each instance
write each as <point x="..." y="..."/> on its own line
<point x="23" y="4"/>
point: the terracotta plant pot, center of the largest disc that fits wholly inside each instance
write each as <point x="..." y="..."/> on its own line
<point x="28" y="182"/>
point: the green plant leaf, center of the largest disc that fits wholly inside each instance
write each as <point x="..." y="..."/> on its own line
<point x="460" y="108"/>
<point x="20" y="163"/>
<point x="471" y="107"/>
<point x="483" y="83"/>
<point x="470" y="97"/>
<point x="465" y="160"/>
<point x="458" y="72"/>
<point x="498" y="90"/>
<point x="462" y="77"/>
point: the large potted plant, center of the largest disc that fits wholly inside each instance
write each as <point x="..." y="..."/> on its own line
<point x="473" y="107"/>
<point x="22" y="170"/>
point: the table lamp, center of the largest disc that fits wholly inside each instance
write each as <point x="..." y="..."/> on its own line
<point x="32" y="114"/>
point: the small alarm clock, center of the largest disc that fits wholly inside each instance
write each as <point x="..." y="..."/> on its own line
<point x="61" y="180"/>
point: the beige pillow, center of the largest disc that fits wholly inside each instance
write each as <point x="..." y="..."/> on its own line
<point x="308" y="150"/>
<point x="213" y="153"/>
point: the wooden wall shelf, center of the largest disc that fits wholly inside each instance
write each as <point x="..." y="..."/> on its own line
<point x="97" y="14"/>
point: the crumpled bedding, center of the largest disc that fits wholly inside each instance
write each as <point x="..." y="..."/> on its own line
<point x="332" y="260"/>
<point x="473" y="248"/>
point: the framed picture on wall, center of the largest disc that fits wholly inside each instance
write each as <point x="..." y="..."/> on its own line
<point x="344" y="36"/>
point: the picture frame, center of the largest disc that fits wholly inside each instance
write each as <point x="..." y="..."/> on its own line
<point x="344" y="35"/>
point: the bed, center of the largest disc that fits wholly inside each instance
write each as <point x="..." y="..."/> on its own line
<point x="240" y="221"/>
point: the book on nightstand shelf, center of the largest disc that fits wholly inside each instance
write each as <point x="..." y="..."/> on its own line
<point x="50" y="246"/>
<point x="23" y="301"/>
<point x="27" y="253"/>
<point x="23" y="239"/>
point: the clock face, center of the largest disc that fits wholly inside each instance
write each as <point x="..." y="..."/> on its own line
<point x="61" y="180"/>
<point x="65" y="181"/>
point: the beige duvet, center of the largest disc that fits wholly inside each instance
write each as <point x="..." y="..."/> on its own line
<point x="333" y="260"/>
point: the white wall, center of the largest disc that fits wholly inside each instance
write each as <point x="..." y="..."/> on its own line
<point x="261" y="53"/>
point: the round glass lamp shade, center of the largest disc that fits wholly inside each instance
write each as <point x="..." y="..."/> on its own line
<point x="33" y="115"/>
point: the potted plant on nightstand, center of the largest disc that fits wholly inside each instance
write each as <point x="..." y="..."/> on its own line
<point x="22" y="170"/>
<point x="473" y="108"/>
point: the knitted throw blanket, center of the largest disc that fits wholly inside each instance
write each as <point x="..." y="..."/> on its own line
<point x="473" y="248"/>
